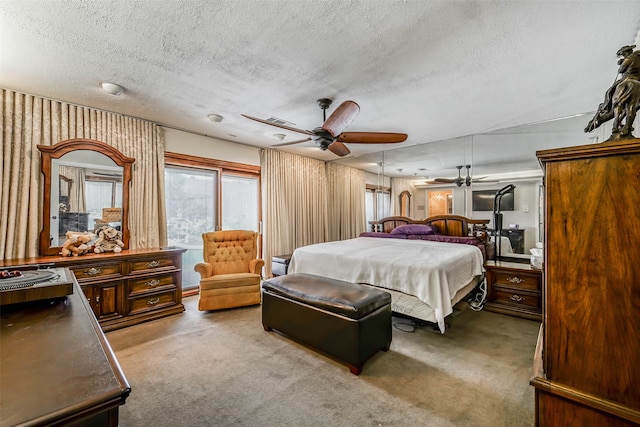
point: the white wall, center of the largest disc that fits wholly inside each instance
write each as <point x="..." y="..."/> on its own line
<point x="373" y="179"/>
<point x="177" y="141"/>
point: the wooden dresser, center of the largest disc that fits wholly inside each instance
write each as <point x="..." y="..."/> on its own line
<point x="58" y="368"/>
<point x="587" y="363"/>
<point x="514" y="289"/>
<point x="125" y="288"/>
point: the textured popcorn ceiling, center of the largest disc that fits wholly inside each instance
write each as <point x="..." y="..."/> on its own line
<point x="436" y="70"/>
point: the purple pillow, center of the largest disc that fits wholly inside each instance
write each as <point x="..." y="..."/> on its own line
<point x="383" y="235"/>
<point x="413" y="229"/>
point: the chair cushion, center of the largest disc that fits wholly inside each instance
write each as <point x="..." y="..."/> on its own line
<point x="229" y="251"/>
<point x="230" y="281"/>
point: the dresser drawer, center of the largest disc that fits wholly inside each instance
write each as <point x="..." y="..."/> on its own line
<point x="149" y="265"/>
<point x="513" y="297"/>
<point x="151" y="284"/>
<point x="152" y="302"/>
<point x="517" y="280"/>
<point x="96" y="271"/>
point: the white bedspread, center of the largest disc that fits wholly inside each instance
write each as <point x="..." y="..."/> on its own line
<point x="431" y="271"/>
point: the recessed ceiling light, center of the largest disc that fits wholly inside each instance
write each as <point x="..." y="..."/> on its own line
<point x="112" y="88"/>
<point x="215" y="118"/>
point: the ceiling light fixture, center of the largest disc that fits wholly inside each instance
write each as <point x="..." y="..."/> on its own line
<point x="215" y="118"/>
<point x="112" y="88"/>
<point x="280" y="136"/>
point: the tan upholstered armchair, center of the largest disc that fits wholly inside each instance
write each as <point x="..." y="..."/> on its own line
<point x="230" y="275"/>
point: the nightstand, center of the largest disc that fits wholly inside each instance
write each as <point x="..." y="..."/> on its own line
<point x="514" y="289"/>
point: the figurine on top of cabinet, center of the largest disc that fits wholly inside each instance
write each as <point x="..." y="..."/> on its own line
<point x="622" y="99"/>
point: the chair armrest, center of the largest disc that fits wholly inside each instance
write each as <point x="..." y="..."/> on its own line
<point x="255" y="266"/>
<point x="205" y="269"/>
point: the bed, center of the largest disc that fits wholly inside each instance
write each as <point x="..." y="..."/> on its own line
<point x="427" y="265"/>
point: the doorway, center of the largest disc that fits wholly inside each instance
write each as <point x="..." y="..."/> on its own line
<point x="440" y="202"/>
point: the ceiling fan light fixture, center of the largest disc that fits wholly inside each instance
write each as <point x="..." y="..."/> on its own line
<point x="112" y="88"/>
<point x="215" y="118"/>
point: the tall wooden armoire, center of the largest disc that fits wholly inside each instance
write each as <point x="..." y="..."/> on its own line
<point x="587" y="365"/>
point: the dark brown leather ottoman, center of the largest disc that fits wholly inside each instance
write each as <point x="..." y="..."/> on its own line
<point x="345" y="321"/>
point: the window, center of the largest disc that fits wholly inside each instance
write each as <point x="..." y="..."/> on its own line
<point x="205" y="195"/>
<point x="240" y="198"/>
<point x="378" y="202"/>
<point x="99" y="191"/>
<point x="191" y="198"/>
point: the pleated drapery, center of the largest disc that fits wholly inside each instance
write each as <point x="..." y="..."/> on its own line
<point x="399" y="185"/>
<point x="77" y="196"/>
<point x="307" y="201"/>
<point x="29" y="121"/>
<point x="346" y="190"/>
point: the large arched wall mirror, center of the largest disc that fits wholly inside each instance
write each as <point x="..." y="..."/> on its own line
<point x="86" y="185"/>
<point x="405" y="203"/>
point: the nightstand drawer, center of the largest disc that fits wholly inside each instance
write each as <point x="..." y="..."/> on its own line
<point x="151" y="284"/>
<point x="517" y="280"/>
<point x="513" y="297"/>
<point x="96" y="271"/>
<point x="152" y="302"/>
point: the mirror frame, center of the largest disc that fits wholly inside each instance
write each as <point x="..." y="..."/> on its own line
<point x="405" y="203"/>
<point x="58" y="150"/>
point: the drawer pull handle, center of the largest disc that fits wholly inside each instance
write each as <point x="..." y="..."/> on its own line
<point x="93" y="271"/>
<point x="516" y="298"/>
<point x="153" y="264"/>
<point x="515" y="280"/>
<point x="153" y="301"/>
<point x="152" y="283"/>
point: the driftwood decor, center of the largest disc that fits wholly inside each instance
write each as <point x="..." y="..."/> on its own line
<point x="622" y="99"/>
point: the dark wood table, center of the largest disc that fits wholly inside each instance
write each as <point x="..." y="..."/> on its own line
<point x="56" y="366"/>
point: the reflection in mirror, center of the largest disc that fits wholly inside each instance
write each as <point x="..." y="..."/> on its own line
<point x="440" y="202"/>
<point x="497" y="158"/>
<point x="405" y="203"/>
<point x="86" y="186"/>
<point x="93" y="197"/>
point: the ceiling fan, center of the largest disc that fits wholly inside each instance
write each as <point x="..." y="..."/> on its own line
<point x="330" y="136"/>
<point x="459" y="180"/>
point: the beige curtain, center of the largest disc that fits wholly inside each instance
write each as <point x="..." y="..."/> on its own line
<point x="346" y="189"/>
<point x="307" y="201"/>
<point x="399" y="185"/>
<point x="294" y="203"/>
<point x="77" y="200"/>
<point x="28" y="121"/>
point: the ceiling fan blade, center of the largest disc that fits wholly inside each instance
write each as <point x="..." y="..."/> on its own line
<point x="341" y="117"/>
<point x="371" y="137"/>
<point x="338" y="148"/>
<point x="441" y="181"/>
<point x="291" y="142"/>
<point x="306" y="132"/>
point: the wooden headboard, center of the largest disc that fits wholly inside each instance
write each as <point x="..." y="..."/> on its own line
<point x="448" y="225"/>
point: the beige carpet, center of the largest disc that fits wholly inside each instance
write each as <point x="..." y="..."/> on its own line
<point x="222" y="369"/>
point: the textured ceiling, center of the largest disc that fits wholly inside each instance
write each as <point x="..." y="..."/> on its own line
<point x="437" y="70"/>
